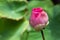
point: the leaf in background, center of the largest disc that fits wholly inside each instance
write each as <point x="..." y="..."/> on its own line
<point x="37" y="35"/>
<point x="12" y="30"/>
<point x="55" y="23"/>
<point x="56" y="10"/>
<point x="33" y="35"/>
<point x="20" y="31"/>
<point x="12" y="10"/>
<point x="16" y="0"/>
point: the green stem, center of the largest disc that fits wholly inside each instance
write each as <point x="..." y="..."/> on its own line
<point x="42" y="35"/>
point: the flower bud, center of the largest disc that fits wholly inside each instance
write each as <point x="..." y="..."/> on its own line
<point x="38" y="18"/>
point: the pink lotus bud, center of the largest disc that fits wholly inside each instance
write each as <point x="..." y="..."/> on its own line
<point x="38" y="18"/>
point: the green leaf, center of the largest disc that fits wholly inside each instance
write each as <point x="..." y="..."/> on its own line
<point x="12" y="10"/>
<point x="55" y="23"/>
<point x="20" y="31"/>
<point x="34" y="35"/>
<point x="56" y="10"/>
<point x="12" y="30"/>
<point x="16" y="0"/>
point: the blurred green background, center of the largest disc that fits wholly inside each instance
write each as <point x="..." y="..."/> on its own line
<point x="14" y="20"/>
